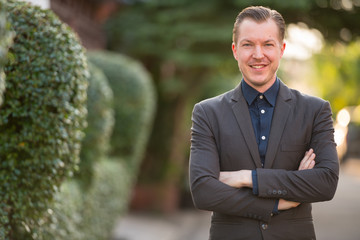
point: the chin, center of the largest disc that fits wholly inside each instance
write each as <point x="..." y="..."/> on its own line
<point x="259" y="82"/>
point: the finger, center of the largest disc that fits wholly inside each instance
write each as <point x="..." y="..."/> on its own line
<point x="303" y="161"/>
<point x="308" y="155"/>
<point x="312" y="161"/>
<point x="309" y="161"/>
<point x="312" y="164"/>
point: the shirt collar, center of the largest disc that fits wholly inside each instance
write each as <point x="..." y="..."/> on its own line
<point x="250" y="93"/>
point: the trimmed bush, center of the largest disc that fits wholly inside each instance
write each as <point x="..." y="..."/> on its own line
<point x="134" y="99"/>
<point x="75" y="213"/>
<point x="100" y="123"/>
<point x="42" y="117"/>
<point x="89" y="213"/>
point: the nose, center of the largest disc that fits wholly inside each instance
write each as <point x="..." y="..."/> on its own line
<point x="258" y="52"/>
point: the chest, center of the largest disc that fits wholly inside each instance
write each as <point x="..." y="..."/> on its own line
<point x="237" y="139"/>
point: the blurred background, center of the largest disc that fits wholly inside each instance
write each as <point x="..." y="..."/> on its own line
<point x="186" y="47"/>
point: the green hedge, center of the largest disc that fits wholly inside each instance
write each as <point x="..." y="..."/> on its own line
<point x="89" y="212"/>
<point x="42" y="117"/>
<point x="134" y="99"/>
<point x="41" y="122"/>
<point x="71" y="214"/>
<point x="96" y="143"/>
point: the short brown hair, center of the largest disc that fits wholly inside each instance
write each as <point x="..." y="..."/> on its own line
<point x="259" y="14"/>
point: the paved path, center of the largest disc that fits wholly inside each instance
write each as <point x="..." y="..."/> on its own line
<point x="185" y="225"/>
<point x="339" y="219"/>
<point x="335" y="220"/>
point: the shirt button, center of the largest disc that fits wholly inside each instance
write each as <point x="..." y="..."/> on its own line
<point x="262" y="111"/>
<point x="264" y="226"/>
<point x="261" y="96"/>
<point x="263" y="137"/>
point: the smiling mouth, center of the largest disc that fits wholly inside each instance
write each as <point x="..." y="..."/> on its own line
<point x="257" y="66"/>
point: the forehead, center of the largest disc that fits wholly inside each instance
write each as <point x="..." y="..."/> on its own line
<point x="252" y="30"/>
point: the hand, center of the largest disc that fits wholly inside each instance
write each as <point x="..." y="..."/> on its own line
<point x="308" y="162"/>
<point x="237" y="179"/>
<point x="285" y="205"/>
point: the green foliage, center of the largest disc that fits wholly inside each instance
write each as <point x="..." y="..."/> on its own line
<point x="180" y="31"/>
<point x="100" y="121"/>
<point x="42" y="117"/>
<point x="90" y="214"/>
<point x="338" y="74"/>
<point x="107" y="200"/>
<point x="75" y="210"/>
<point x="134" y="102"/>
<point x="87" y="209"/>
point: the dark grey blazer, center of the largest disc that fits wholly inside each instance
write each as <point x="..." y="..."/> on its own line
<point x="223" y="139"/>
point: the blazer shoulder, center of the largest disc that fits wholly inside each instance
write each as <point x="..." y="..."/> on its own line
<point x="306" y="99"/>
<point x="301" y="102"/>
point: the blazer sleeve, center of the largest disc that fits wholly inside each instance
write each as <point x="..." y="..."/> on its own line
<point x="207" y="191"/>
<point x="313" y="185"/>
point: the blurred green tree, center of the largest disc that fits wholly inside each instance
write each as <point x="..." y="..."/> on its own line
<point x="186" y="45"/>
<point x="338" y="73"/>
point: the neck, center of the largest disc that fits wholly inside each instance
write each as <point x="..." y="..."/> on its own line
<point x="261" y="88"/>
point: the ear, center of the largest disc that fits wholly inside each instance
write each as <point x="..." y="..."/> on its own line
<point x="233" y="48"/>
<point x="283" y="48"/>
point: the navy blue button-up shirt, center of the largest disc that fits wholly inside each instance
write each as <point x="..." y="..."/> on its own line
<point x="261" y="108"/>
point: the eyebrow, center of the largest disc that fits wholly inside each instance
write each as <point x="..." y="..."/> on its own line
<point x="247" y="40"/>
<point x="270" y="40"/>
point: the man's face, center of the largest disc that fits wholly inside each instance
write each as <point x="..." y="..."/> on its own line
<point x="258" y="51"/>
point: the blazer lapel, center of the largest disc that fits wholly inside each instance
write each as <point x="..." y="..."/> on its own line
<point x="241" y="112"/>
<point x="280" y="117"/>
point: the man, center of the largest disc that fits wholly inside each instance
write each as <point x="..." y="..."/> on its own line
<point x="253" y="148"/>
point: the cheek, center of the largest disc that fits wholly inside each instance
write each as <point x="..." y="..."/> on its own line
<point x="274" y="55"/>
<point x="243" y="61"/>
<point x="242" y="57"/>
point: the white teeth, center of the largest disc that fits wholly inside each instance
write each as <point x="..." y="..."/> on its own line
<point x="258" y="67"/>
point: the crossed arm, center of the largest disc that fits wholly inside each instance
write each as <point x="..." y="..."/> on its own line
<point x="243" y="178"/>
<point x="230" y="192"/>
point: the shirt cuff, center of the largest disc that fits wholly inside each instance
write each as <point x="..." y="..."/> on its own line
<point x="276" y="210"/>
<point x="255" y="182"/>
